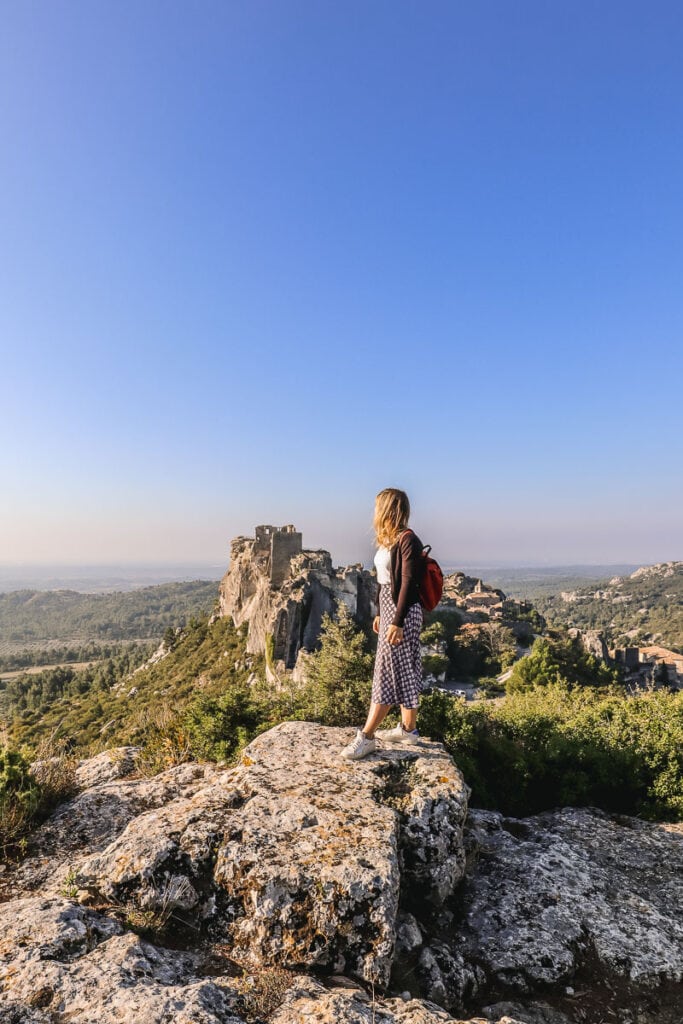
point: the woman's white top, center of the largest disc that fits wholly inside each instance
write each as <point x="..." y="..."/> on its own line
<point x="383" y="565"/>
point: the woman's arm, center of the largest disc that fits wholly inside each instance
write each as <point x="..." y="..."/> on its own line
<point x="410" y="555"/>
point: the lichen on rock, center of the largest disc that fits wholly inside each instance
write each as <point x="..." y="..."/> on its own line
<point x="294" y="857"/>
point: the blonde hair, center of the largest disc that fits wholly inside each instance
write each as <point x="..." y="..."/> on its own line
<point x="392" y="510"/>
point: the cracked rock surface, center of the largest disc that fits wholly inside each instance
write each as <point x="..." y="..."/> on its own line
<point x="295" y="856"/>
<point x="308" y="1000"/>
<point x="146" y="899"/>
<point x="573" y="898"/>
<point x="60" y="961"/>
<point x="547" y="889"/>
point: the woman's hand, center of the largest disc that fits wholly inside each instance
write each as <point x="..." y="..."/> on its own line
<point x="375" y="623"/>
<point x="394" y="634"/>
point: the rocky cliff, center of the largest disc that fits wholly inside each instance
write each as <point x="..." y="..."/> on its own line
<point x="282" y="591"/>
<point x="297" y="886"/>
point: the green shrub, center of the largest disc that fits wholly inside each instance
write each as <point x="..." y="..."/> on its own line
<point x="557" y="745"/>
<point x="219" y="727"/>
<point x="16" y="782"/>
<point x="27" y="794"/>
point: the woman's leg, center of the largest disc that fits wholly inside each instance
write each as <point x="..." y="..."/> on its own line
<point x="409" y="718"/>
<point x="376" y="715"/>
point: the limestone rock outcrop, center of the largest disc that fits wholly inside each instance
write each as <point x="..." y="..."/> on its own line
<point x="571" y="881"/>
<point x="94" y="817"/>
<point x="308" y="1000"/>
<point x="282" y="592"/>
<point x="296" y="856"/>
<point x="63" y="962"/>
<point x="592" y="641"/>
<point x="366" y="889"/>
<point x="558" y="900"/>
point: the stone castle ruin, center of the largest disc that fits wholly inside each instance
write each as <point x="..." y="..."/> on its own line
<point x="282" y="591"/>
<point x="277" y="545"/>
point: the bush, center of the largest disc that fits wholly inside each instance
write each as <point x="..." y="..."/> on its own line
<point x="557" y="745"/>
<point x="220" y="727"/>
<point x="27" y="794"/>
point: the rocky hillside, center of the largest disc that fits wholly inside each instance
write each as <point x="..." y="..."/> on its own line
<point x="645" y="607"/>
<point x="297" y="886"/>
<point x="202" y="660"/>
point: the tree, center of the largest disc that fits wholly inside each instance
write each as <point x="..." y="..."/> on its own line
<point x="560" y="660"/>
<point x="497" y="640"/>
<point x="434" y="633"/>
<point x="339" y="674"/>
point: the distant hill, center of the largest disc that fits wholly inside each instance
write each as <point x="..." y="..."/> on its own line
<point x="644" y="607"/>
<point x="102" y="579"/>
<point x="43" y="619"/>
<point x="531" y="582"/>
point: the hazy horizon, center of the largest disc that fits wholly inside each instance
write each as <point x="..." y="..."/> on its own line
<point x="494" y="541"/>
<point x="107" y="578"/>
<point x="259" y="263"/>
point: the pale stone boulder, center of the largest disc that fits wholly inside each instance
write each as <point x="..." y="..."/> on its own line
<point x="93" y="818"/>
<point x="114" y="763"/>
<point x="308" y="1001"/>
<point x="554" y="901"/>
<point x="60" y="961"/>
<point x="295" y="857"/>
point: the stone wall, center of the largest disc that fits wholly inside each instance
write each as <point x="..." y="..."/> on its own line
<point x="284" y="545"/>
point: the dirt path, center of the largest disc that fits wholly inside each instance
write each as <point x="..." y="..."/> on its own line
<point x="32" y="670"/>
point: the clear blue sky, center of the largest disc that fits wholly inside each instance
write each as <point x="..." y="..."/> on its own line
<point x="260" y="260"/>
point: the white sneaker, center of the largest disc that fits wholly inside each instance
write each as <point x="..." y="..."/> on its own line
<point x="360" y="747"/>
<point x="398" y="735"/>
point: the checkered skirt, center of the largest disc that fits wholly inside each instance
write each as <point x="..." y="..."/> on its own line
<point x="397" y="677"/>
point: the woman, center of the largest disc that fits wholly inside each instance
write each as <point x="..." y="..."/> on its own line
<point x="397" y="677"/>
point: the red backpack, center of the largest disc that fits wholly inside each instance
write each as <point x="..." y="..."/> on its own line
<point x="431" y="587"/>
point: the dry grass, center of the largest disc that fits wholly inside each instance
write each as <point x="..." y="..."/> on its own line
<point x="165" y="742"/>
<point x="262" y="991"/>
<point x="55" y="770"/>
<point x="15" y="825"/>
<point x="154" y="921"/>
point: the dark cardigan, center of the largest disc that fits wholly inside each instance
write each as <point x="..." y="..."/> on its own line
<point x="407" y="567"/>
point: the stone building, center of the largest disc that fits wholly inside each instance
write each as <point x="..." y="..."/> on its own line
<point x="485" y="599"/>
<point x="651" y="665"/>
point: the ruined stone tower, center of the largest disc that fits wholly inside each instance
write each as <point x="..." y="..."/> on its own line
<point x="279" y="544"/>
